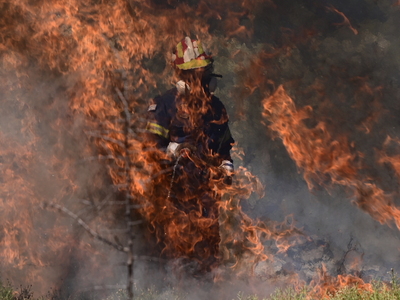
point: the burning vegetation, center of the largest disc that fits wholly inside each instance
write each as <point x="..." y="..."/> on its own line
<point x="311" y="89"/>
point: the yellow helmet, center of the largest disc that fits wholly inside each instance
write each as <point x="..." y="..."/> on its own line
<point x="190" y="54"/>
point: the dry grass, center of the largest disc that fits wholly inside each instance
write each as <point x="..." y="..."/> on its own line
<point x="381" y="291"/>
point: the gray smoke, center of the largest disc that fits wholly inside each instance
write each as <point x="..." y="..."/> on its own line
<point x="44" y="145"/>
<point x="46" y="157"/>
<point x="335" y="62"/>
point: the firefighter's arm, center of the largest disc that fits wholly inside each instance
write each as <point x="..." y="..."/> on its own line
<point x="225" y="144"/>
<point x="157" y="125"/>
<point x="222" y="134"/>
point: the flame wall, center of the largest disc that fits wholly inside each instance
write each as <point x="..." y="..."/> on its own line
<point x="311" y="88"/>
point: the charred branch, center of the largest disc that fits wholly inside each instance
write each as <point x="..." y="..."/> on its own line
<point x="128" y="197"/>
<point x="108" y="139"/>
<point x="84" y="225"/>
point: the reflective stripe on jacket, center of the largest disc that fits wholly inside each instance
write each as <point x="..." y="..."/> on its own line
<point x="169" y="124"/>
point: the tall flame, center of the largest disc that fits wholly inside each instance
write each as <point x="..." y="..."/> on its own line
<point x="98" y="52"/>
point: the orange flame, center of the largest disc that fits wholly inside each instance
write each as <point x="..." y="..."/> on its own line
<point x="323" y="159"/>
<point x="313" y="149"/>
<point x="104" y="46"/>
<point x="345" y="22"/>
<point x="326" y="286"/>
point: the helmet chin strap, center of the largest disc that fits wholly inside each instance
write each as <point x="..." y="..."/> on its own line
<point x="216" y="75"/>
<point x="212" y="85"/>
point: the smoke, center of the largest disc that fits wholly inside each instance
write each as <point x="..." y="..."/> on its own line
<point x="46" y="158"/>
<point x="344" y="80"/>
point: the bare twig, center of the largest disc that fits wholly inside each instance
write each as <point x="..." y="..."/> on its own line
<point x="126" y="106"/>
<point x="102" y="132"/>
<point x="150" y="258"/>
<point x="134" y="223"/>
<point x="122" y="71"/>
<point x="107" y="202"/>
<point x="84" y="225"/>
<point x="107" y="138"/>
<point x="98" y="207"/>
<point x="102" y="287"/>
<point x="128" y="209"/>
<point x="165" y="171"/>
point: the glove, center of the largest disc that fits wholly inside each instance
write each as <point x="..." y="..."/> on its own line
<point x="175" y="149"/>
<point x="227" y="166"/>
<point x="172" y="149"/>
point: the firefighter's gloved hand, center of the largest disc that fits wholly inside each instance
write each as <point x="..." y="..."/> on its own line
<point x="227" y="166"/>
<point x="175" y="149"/>
<point x="172" y="149"/>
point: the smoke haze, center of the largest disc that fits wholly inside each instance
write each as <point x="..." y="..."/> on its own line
<point x="337" y="61"/>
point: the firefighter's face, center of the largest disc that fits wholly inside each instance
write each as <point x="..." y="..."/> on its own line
<point x="208" y="82"/>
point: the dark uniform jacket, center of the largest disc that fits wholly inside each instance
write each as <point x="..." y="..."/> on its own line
<point x="169" y="123"/>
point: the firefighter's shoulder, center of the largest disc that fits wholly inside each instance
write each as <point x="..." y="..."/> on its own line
<point x="165" y="100"/>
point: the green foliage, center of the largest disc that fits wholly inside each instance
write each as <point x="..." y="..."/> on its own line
<point x="149" y="294"/>
<point x="289" y="294"/>
<point x="6" y="293"/>
<point x="380" y="291"/>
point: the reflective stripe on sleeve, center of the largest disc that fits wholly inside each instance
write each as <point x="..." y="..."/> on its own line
<point x="157" y="129"/>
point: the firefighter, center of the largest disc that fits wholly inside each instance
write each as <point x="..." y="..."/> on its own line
<point x="189" y="117"/>
<point x="190" y="113"/>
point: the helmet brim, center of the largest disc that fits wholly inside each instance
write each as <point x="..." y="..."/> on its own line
<point x="195" y="64"/>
